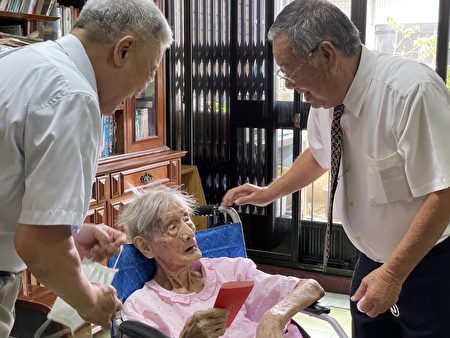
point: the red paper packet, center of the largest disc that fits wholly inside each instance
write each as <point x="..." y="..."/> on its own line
<point x="232" y="296"/>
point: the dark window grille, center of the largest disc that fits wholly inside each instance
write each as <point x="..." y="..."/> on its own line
<point x="250" y="50"/>
<point x="178" y="78"/>
<point x="200" y="87"/>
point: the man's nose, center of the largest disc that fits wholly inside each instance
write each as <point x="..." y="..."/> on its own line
<point x="289" y="84"/>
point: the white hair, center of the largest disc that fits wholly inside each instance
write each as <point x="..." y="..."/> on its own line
<point x="309" y="22"/>
<point x="108" y="20"/>
<point x="150" y="209"/>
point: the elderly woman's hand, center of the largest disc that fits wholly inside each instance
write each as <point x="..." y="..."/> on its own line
<point x="270" y="326"/>
<point x="205" y="324"/>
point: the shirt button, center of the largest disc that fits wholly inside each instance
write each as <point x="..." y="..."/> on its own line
<point x="348" y="168"/>
<point x="350" y="204"/>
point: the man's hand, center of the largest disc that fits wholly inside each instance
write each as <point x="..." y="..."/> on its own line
<point x="105" y="308"/>
<point x="98" y="241"/>
<point x="247" y="194"/>
<point x="269" y="326"/>
<point x="378" y="291"/>
<point x="205" y="324"/>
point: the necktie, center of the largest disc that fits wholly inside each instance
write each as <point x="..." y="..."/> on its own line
<point x="336" y="153"/>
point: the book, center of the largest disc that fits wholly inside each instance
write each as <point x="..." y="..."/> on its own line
<point x="231" y="296"/>
<point x="12" y="29"/>
<point x="12" y="42"/>
<point x="25" y="39"/>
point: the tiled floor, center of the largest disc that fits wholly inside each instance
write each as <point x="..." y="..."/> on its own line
<point x="317" y="328"/>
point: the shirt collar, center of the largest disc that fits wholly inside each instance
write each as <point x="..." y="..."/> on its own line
<point x="76" y="52"/>
<point x="355" y="96"/>
<point x="209" y="289"/>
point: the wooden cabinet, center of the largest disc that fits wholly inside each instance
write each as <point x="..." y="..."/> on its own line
<point x="118" y="174"/>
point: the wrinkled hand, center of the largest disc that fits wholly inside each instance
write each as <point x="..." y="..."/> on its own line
<point x="205" y="324"/>
<point x="247" y="194"/>
<point x="378" y="291"/>
<point x="98" y="241"/>
<point x="105" y="308"/>
<point x="269" y="326"/>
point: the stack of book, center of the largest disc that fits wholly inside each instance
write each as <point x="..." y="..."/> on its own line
<point x="8" y="41"/>
<point x="109" y="139"/>
<point x="38" y="7"/>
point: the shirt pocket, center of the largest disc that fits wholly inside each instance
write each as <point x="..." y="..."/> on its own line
<point x="386" y="180"/>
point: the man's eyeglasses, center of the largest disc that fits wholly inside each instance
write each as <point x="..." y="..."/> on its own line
<point x="290" y="79"/>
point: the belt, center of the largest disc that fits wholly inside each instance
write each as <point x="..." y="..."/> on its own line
<point x="6" y="274"/>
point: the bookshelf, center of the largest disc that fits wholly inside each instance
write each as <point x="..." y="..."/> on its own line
<point x="25" y="16"/>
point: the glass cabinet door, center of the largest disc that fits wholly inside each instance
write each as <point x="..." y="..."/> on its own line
<point x="145" y="127"/>
<point x="145" y="118"/>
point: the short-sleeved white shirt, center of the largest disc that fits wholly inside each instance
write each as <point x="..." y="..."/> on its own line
<point x="396" y="149"/>
<point x="50" y="133"/>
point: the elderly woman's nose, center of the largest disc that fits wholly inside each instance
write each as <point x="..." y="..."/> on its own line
<point x="187" y="232"/>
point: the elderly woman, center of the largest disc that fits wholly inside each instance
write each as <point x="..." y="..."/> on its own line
<point x="179" y="300"/>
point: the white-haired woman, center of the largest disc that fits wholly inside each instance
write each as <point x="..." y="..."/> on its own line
<point x="179" y="300"/>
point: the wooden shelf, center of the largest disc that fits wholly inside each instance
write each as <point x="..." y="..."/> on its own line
<point x="24" y="16"/>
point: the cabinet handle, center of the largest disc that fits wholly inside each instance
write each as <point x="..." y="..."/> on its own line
<point x="146" y="178"/>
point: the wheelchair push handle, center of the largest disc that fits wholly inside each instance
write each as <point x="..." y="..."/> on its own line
<point x="214" y="210"/>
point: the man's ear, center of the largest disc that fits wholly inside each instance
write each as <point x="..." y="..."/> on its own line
<point x="122" y="48"/>
<point x="141" y="243"/>
<point x="329" y="53"/>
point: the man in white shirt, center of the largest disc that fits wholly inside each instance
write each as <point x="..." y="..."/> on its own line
<point x="393" y="192"/>
<point x="53" y="96"/>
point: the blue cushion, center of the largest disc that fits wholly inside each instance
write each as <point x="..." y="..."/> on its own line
<point x="135" y="269"/>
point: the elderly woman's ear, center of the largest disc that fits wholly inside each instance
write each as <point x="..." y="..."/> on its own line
<point x="142" y="244"/>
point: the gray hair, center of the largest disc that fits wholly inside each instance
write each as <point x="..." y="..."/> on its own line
<point x="108" y="20"/>
<point x="151" y="208"/>
<point x="309" y="22"/>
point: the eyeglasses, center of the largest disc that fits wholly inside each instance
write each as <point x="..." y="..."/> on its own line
<point x="290" y="79"/>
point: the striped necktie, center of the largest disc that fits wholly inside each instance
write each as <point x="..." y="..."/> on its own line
<point x="336" y="153"/>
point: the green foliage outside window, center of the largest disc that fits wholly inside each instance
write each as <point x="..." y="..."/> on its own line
<point x="424" y="46"/>
<point x="448" y="77"/>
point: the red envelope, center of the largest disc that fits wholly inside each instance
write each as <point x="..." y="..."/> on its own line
<point x="232" y="296"/>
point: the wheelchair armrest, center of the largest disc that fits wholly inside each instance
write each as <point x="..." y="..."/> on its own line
<point x="134" y="329"/>
<point x="321" y="311"/>
<point x="318" y="308"/>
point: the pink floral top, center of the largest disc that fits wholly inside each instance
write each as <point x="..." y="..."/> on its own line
<point x="168" y="311"/>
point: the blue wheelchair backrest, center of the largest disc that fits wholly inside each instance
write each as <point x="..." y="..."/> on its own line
<point x="135" y="269"/>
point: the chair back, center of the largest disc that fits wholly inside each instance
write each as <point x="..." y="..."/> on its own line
<point x="135" y="269"/>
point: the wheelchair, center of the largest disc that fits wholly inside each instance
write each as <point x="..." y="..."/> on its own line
<point x="226" y="239"/>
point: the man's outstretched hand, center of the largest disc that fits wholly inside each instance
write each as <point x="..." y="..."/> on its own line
<point x="98" y="241"/>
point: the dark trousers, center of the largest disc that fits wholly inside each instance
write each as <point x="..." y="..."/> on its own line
<point x="423" y="305"/>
